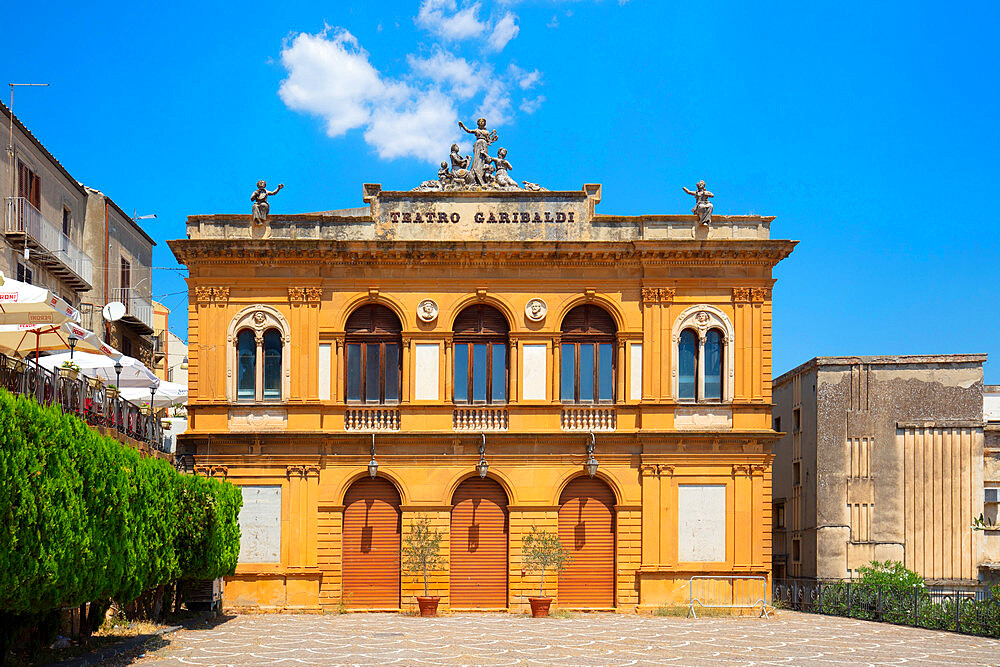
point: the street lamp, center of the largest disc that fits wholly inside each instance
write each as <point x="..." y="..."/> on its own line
<point x="72" y="340"/>
<point x="152" y="415"/>
<point x="482" y="467"/>
<point x="118" y="373"/>
<point x="373" y="464"/>
<point x="591" y="464"/>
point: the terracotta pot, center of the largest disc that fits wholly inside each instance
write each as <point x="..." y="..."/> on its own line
<point x="540" y="607"/>
<point x="428" y="606"/>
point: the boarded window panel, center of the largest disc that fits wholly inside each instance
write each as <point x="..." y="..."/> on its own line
<point x="533" y="372"/>
<point x="371" y="545"/>
<point x="701" y="523"/>
<point x="479" y="538"/>
<point x="426" y="372"/>
<point x="587" y="531"/>
<point x="260" y="524"/>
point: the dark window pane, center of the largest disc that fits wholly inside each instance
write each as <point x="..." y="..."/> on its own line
<point x="479" y="373"/>
<point x="713" y="364"/>
<point x="499" y="373"/>
<point x="354" y="372"/>
<point x="391" y="372"/>
<point x="687" y="364"/>
<point x="246" y="365"/>
<point x="461" y="373"/>
<point x="586" y="372"/>
<point x="272" y="364"/>
<point x="605" y="375"/>
<point x="567" y="372"/>
<point x="371" y="373"/>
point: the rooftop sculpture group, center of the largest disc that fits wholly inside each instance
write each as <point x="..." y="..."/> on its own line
<point x="479" y="171"/>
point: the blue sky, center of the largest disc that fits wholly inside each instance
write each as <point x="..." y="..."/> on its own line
<point x="868" y="129"/>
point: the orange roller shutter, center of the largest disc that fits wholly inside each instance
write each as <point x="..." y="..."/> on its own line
<point x="371" y="545"/>
<point x="479" y="536"/>
<point x="587" y="531"/>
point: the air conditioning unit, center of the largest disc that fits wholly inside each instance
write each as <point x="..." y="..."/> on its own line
<point x="992" y="496"/>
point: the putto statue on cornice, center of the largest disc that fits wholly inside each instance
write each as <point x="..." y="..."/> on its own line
<point x="479" y="171"/>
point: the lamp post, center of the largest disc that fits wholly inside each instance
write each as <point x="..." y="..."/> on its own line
<point x="118" y="373"/>
<point x="72" y="340"/>
<point x="482" y="467"/>
<point x="373" y="464"/>
<point x="152" y="415"/>
<point x="591" y="464"/>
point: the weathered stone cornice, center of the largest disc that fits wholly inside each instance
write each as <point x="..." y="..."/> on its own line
<point x="241" y="251"/>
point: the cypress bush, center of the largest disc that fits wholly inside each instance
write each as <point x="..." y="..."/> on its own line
<point x="86" y="518"/>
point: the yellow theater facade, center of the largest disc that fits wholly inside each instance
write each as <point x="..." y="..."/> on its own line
<point x="351" y="370"/>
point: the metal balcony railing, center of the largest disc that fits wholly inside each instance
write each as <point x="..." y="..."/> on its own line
<point x="136" y="306"/>
<point x="82" y="398"/>
<point x="24" y="218"/>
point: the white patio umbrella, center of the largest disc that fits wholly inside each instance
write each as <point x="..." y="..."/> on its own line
<point x="167" y="394"/>
<point x="21" y="303"/>
<point x="134" y="372"/>
<point x="23" y="338"/>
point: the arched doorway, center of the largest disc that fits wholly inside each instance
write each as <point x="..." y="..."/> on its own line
<point x="587" y="531"/>
<point x="479" y="537"/>
<point x="371" y="545"/>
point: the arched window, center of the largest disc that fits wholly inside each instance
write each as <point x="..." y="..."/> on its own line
<point x="713" y="365"/>
<point x="587" y="373"/>
<point x="702" y="365"/>
<point x="480" y="343"/>
<point x="374" y="364"/>
<point x="687" y="376"/>
<point x="246" y="366"/>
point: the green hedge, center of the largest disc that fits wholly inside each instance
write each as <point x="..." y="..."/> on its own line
<point x="85" y="518"/>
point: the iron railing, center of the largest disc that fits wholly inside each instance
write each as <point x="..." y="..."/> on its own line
<point x="972" y="611"/>
<point x="24" y="218"/>
<point x="727" y="592"/>
<point x="81" y="397"/>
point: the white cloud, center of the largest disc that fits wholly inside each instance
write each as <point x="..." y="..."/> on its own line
<point x="444" y="67"/>
<point x="524" y="78"/>
<point x="332" y="78"/>
<point x="505" y="30"/>
<point x="530" y="106"/>
<point x="495" y="107"/>
<point x="443" y="18"/>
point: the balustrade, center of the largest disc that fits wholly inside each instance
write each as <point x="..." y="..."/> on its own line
<point x="371" y="419"/>
<point x="480" y="419"/>
<point x="589" y="419"/>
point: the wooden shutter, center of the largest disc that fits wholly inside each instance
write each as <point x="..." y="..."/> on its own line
<point x="587" y="531"/>
<point x="373" y="319"/>
<point x="479" y="538"/>
<point x="371" y="545"/>
<point x="481" y="319"/>
<point x="588" y="320"/>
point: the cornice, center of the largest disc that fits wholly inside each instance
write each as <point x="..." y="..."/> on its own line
<point x="673" y="252"/>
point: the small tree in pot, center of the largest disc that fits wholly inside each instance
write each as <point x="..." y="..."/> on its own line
<point x="542" y="550"/>
<point x="420" y="556"/>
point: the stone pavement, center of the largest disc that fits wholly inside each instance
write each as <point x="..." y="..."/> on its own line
<point x="585" y="639"/>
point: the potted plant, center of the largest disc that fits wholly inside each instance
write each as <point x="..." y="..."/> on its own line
<point x="420" y="555"/>
<point x="69" y="370"/>
<point x="111" y="391"/>
<point x="165" y="423"/>
<point x="95" y="382"/>
<point x="541" y="550"/>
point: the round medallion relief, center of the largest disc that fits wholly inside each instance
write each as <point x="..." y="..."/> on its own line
<point x="259" y="317"/>
<point x="427" y="310"/>
<point x="535" y="310"/>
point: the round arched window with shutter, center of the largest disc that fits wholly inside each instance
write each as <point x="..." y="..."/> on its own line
<point x="587" y="358"/>
<point x="481" y="355"/>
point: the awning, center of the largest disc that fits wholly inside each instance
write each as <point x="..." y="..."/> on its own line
<point x="25" y="338"/>
<point x="134" y="372"/>
<point x="21" y="303"/>
<point x="167" y="394"/>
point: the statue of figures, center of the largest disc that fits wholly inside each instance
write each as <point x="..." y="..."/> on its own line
<point x="500" y="177"/>
<point x="259" y="199"/>
<point x="443" y="174"/>
<point x="459" y="166"/>
<point x="702" y="207"/>
<point x="480" y="150"/>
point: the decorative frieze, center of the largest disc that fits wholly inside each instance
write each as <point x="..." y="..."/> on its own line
<point x="206" y="294"/>
<point x="751" y="294"/>
<point x="651" y="295"/>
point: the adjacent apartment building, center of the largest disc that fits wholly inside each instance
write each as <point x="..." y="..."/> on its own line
<point x="74" y="240"/>
<point x="881" y="458"/>
<point x="493" y="361"/>
<point x="44" y="214"/>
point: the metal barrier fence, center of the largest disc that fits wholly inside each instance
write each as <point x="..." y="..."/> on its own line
<point x="974" y="611"/>
<point x="82" y="398"/>
<point x="728" y="592"/>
